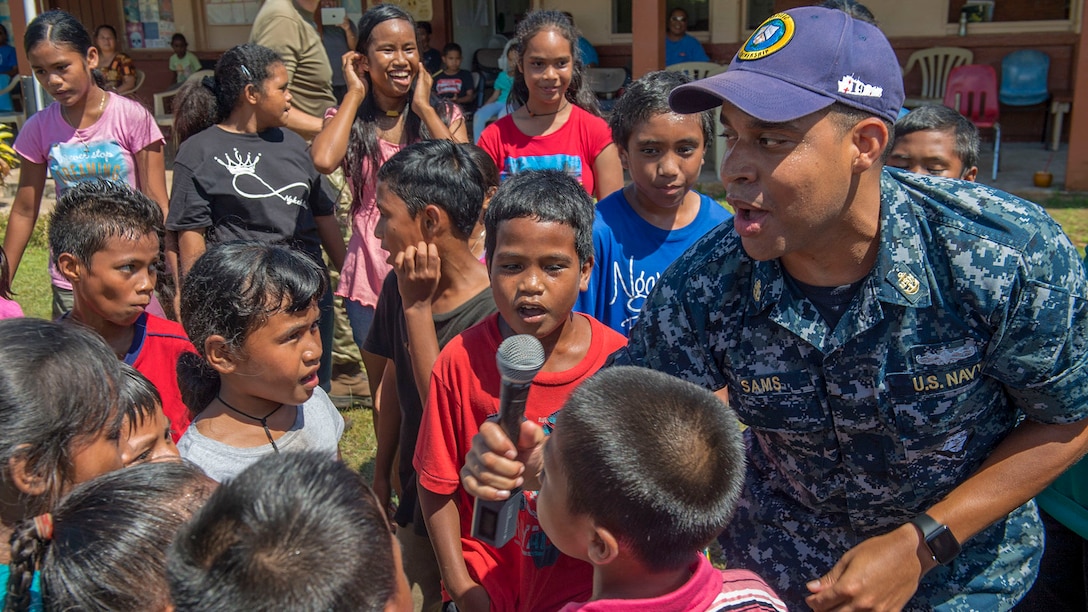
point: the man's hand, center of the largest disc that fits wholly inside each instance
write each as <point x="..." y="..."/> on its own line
<point x="494" y="467"/>
<point x="418" y="271"/>
<point x="881" y="573"/>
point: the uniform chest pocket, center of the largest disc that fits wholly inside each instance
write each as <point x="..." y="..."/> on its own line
<point x="938" y="403"/>
<point x="782" y="402"/>
<point x="934" y="372"/>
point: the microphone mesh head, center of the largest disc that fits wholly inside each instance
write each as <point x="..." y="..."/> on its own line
<point x="520" y="358"/>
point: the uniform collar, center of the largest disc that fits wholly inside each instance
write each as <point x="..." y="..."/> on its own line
<point x="902" y="269"/>
<point x="900" y="272"/>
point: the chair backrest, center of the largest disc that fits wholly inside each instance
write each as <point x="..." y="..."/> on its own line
<point x="14" y="116"/>
<point x="605" y="80"/>
<point x="972" y="90"/>
<point x="1024" y="77"/>
<point x="159" y="99"/>
<point x="140" y="76"/>
<point x="936" y="63"/>
<point x="487" y="61"/>
<point x="697" y="70"/>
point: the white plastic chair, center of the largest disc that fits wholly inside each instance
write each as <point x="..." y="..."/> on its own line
<point x="936" y="63"/>
<point x="16" y="117"/>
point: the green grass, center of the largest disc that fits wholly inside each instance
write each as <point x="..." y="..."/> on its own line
<point x="358" y="445"/>
<point x="1071" y="211"/>
<point x="32" y="285"/>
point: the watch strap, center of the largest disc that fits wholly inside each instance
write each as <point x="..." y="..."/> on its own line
<point x="942" y="544"/>
<point x="927" y="524"/>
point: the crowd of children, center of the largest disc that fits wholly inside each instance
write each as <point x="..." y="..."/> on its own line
<point x="623" y="476"/>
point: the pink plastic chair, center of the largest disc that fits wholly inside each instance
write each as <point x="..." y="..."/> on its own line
<point x="972" y="90"/>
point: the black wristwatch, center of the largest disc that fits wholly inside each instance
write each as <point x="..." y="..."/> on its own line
<point x="939" y="539"/>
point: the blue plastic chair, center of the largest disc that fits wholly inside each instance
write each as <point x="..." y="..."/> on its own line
<point x="1023" y="78"/>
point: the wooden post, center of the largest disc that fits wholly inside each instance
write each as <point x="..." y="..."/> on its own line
<point x="15" y="35"/>
<point x="1076" y="169"/>
<point x="648" y="36"/>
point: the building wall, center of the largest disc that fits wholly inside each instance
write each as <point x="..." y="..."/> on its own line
<point x="897" y="18"/>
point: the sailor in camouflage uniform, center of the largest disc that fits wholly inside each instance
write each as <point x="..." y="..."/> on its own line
<point x="899" y="346"/>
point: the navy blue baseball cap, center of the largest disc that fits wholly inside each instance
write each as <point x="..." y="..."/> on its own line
<point x="801" y="61"/>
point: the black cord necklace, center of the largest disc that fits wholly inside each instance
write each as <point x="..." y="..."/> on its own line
<point x="562" y="107"/>
<point x="262" y="421"/>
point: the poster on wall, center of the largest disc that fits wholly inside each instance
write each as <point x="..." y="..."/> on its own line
<point x="149" y="24"/>
<point x="231" y="12"/>
<point x="420" y="10"/>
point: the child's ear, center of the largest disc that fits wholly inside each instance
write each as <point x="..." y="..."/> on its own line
<point x="92" y="58"/>
<point x="623" y="156"/>
<point x="25" y="480"/>
<point x="603" y="548"/>
<point x="70" y="267"/>
<point x="431" y="221"/>
<point x="587" y="269"/>
<point x="219" y="354"/>
<point x="970" y="174"/>
<point x="252" y="93"/>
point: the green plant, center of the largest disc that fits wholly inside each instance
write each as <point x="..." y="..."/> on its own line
<point x="8" y="158"/>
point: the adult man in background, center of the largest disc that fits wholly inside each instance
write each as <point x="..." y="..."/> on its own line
<point x="287" y="27"/>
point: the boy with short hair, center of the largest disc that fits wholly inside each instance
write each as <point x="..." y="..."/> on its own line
<point x="539" y="252"/>
<point x="429" y="196"/>
<point x="642" y="472"/>
<point x="105" y="239"/>
<point x="453" y="82"/>
<point x="641" y="229"/>
<point x="935" y="140"/>
<point x="293" y="531"/>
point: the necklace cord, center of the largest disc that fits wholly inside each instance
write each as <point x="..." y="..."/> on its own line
<point x="562" y="107"/>
<point x="262" y="421"/>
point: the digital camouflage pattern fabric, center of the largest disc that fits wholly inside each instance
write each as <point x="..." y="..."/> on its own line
<point x="973" y="317"/>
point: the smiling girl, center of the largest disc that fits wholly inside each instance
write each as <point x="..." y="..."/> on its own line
<point x="558" y="126"/>
<point x="86" y="133"/>
<point x="240" y="175"/>
<point x="388" y="106"/>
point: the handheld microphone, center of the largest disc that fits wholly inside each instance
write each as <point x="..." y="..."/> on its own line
<point x="519" y="359"/>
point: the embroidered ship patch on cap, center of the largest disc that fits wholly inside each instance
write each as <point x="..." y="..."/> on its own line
<point x="770" y="36"/>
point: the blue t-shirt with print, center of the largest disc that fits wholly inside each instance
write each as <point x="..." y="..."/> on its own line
<point x="631" y="254"/>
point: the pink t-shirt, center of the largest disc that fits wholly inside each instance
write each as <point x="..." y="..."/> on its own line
<point x="709" y="590"/>
<point x="365" y="267"/>
<point x="104" y="150"/>
<point x="10" y="309"/>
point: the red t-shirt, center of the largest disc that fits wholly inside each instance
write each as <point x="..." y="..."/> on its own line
<point x="572" y="148"/>
<point x="529" y="572"/>
<point x="155" y="349"/>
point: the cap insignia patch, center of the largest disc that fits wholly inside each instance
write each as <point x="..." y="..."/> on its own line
<point x="769" y="37"/>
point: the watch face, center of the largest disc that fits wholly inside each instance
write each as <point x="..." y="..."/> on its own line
<point x="943" y="545"/>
